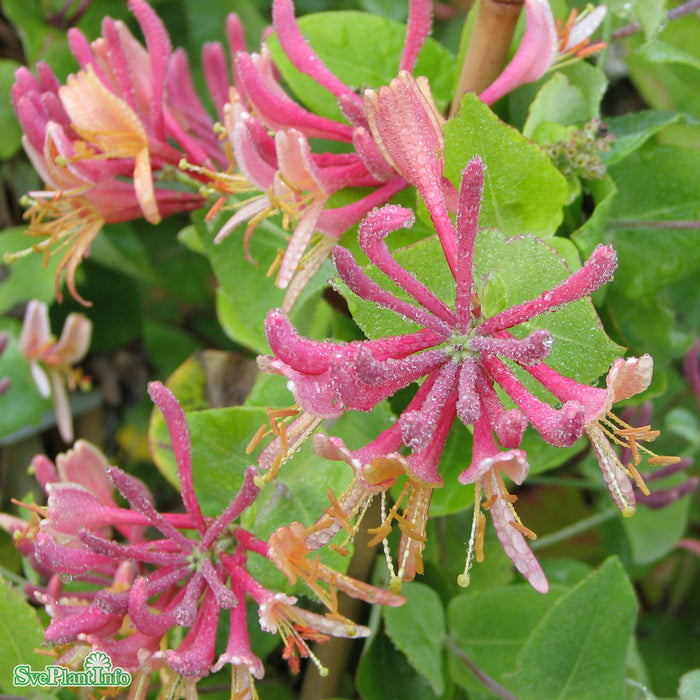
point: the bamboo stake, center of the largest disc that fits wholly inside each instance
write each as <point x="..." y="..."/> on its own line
<point x="488" y="48"/>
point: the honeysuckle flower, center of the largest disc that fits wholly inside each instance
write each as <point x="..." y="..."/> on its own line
<point x="81" y="468"/>
<point x="293" y="179"/>
<point x="52" y="361"/>
<point x="626" y="378"/>
<point x="144" y="587"/>
<point x="462" y="356"/>
<point x="545" y="44"/>
<point x="407" y="128"/>
<point x="101" y="141"/>
<point x="486" y="471"/>
<point x="287" y="548"/>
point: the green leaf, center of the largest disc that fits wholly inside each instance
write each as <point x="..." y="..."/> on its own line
<point x="665" y="71"/>
<point x="689" y="687"/>
<point x="246" y="294"/>
<point x="27" y="278"/>
<point x="570" y="96"/>
<point x="523" y="191"/>
<point x="11" y="131"/>
<point x="417" y="629"/>
<point x="21" y="405"/>
<point x="119" y="248"/>
<point x="651" y="15"/>
<point x="646" y="325"/>
<point x="558" y="101"/>
<point x="40" y="41"/>
<point x="633" y="130"/>
<point x="384" y="673"/>
<point x="21" y="634"/>
<point x="668" y="191"/>
<point x="491" y="626"/>
<point x="219" y="440"/>
<point x="578" y="649"/>
<point x="669" y="648"/>
<point x="653" y="533"/>
<point x="662" y="52"/>
<point x="363" y="51"/>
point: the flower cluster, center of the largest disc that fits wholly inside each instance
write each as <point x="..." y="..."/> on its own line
<point x="109" y="143"/>
<point x="128" y="137"/>
<point x="140" y="589"/>
<point x="270" y="137"/>
<point x="461" y="356"/>
<point x="105" y="144"/>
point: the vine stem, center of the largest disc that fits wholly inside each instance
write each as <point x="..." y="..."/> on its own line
<point x="494" y="688"/>
<point x="675" y="225"/>
<point x="675" y="13"/>
<point x="488" y="47"/>
<point x="573" y="530"/>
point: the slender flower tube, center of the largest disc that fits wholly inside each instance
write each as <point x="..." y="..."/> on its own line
<point x="546" y="44"/>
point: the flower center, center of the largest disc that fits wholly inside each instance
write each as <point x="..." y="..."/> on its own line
<point x="458" y="348"/>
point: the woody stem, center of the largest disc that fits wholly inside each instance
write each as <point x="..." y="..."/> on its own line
<point x="488" y="47"/>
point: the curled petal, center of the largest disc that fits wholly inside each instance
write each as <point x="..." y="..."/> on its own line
<point x="373" y="230"/>
<point x="182" y="447"/>
<point x="536" y="52"/>
<point x="486" y="456"/>
<point x="74" y="342"/>
<point x="628" y="377"/>
<point x="596" y="271"/>
<point x="36" y="330"/>
<point x="513" y="541"/>
<point x="560" y="427"/>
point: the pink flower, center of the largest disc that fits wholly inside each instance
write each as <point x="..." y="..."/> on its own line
<point x="295" y="180"/>
<point x="51" y="361"/>
<point x="102" y="141"/>
<point x="544" y="45"/>
<point x="458" y="352"/>
<point x="143" y="586"/>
